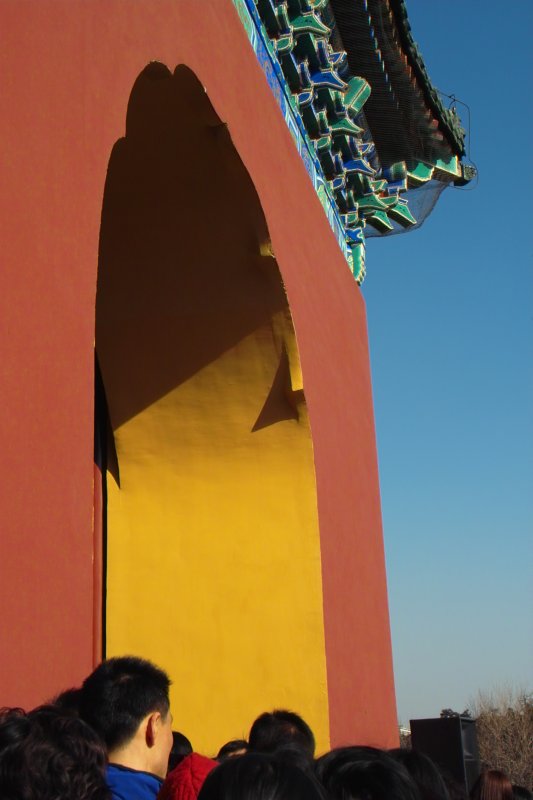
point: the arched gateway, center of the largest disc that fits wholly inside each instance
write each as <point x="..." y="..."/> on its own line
<point x="213" y="550"/>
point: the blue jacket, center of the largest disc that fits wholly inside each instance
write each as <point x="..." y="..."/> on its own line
<point x="130" y="784"/>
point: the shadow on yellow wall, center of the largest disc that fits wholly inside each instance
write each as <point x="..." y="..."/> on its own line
<point x="213" y="554"/>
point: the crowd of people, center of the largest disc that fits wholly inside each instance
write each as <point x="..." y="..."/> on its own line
<point x="113" y="739"/>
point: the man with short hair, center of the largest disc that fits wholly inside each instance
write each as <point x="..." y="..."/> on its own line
<point x="280" y="729"/>
<point x="126" y="701"/>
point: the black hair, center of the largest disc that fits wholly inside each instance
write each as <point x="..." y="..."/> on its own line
<point x="69" y="700"/>
<point x="235" y="746"/>
<point x="181" y="747"/>
<point x="14" y="727"/>
<point x="521" y="793"/>
<point x="47" y="754"/>
<point x="280" y="728"/>
<point x="119" y="694"/>
<point x="364" y="773"/>
<point x="456" y="790"/>
<point x="258" y="776"/>
<point x="424" y="772"/>
<point x="296" y="756"/>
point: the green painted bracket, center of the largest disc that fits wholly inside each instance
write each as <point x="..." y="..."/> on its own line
<point x="357" y="94"/>
<point x="309" y="23"/>
<point x="401" y="213"/>
<point x="380" y="221"/>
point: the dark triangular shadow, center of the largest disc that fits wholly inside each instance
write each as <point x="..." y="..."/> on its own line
<point x="277" y="406"/>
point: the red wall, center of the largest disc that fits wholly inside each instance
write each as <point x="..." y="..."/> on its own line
<point x="68" y="67"/>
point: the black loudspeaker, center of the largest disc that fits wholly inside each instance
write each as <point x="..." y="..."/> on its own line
<point x="451" y="742"/>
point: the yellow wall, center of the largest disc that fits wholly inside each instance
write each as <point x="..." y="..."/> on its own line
<point x="213" y="543"/>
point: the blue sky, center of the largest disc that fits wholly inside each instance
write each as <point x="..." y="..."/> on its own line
<point x="450" y="314"/>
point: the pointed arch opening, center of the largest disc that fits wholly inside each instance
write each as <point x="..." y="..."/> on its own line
<point x="212" y="547"/>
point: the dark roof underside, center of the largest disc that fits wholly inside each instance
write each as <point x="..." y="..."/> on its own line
<point x="405" y="114"/>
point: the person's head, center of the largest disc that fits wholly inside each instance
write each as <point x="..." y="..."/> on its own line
<point x="492" y="784"/>
<point x="181" y="747"/>
<point x="236" y="747"/>
<point x="364" y="773"/>
<point x="424" y="772"/>
<point x="126" y="701"/>
<point x="456" y="790"/>
<point x="296" y="756"/>
<point x="69" y="700"/>
<point x="47" y="754"/>
<point x="280" y="728"/>
<point x="14" y="727"/>
<point x="258" y="776"/>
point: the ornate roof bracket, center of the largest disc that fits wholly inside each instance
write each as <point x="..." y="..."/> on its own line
<point x="322" y="103"/>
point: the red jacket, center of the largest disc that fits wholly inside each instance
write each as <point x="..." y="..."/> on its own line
<point x="185" y="781"/>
